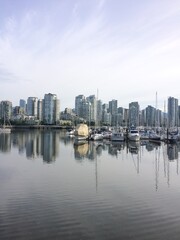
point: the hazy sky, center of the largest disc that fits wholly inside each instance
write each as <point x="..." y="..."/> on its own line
<point x="127" y="49"/>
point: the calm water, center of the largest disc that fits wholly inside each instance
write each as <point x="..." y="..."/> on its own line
<point x="53" y="189"/>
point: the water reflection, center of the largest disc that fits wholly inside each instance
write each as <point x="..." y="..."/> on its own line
<point x="5" y="142"/>
<point x="81" y="150"/>
<point x="133" y="147"/>
<point x="88" y="150"/>
<point x="34" y="144"/>
<point x="172" y="151"/>
<point x="133" y="185"/>
<point x="46" y="144"/>
<point x="115" y="148"/>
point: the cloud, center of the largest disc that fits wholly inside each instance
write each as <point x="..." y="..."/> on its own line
<point x="76" y="48"/>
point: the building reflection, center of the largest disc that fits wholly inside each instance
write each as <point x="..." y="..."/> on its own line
<point x="150" y="146"/>
<point x="46" y="144"/>
<point x="172" y="151"/>
<point x="36" y="144"/>
<point x="5" y="142"/>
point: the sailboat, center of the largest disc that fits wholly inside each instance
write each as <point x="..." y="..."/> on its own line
<point x="154" y="135"/>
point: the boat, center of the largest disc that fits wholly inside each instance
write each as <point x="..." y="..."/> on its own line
<point x="118" y="136"/>
<point x="5" y="128"/>
<point x="107" y="134"/>
<point x="154" y="137"/>
<point x="133" y="134"/>
<point x="81" y="132"/>
<point x="172" y="136"/>
<point x="144" y="134"/>
<point x="70" y="132"/>
<point x="97" y="136"/>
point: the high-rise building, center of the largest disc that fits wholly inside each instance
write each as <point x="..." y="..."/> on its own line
<point x="142" y="118"/>
<point x="120" y="119"/>
<point x="113" y="110"/>
<point x="5" y="110"/>
<point x="106" y="117"/>
<point x="78" y="105"/>
<point x="150" y="116"/>
<point x="22" y="104"/>
<point x="126" y="117"/>
<point x="40" y="110"/>
<point x="134" y="114"/>
<point x="32" y="106"/>
<point x="172" y="112"/>
<point x="99" y="112"/>
<point x="51" y="109"/>
<point x="93" y="101"/>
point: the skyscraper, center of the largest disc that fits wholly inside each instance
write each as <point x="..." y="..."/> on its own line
<point x="32" y="106"/>
<point x="78" y="105"/>
<point x="113" y="111"/>
<point x="51" y="108"/>
<point x="150" y="116"/>
<point x="5" y="110"/>
<point x="134" y="114"/>
<point x="22" y="104"/>
<point x="172" y="112"/>
<point x="93" y="113"/>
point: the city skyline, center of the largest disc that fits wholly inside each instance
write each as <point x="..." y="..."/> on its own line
<point x="89" y="108"/>
<point x="128" y="50"/>
<point x="73" y="105"/>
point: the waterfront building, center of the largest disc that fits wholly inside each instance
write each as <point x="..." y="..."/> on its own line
<point x="85" y="110"/>
<point x="126" y="117"/>
<point x="120" y="116"/>
<point x="142" y="118"/>
<point x="51" y="109"/>
<point x="93" y="109"/>
<point x="172" y="112"/>
<point x="5" y="110"/>
<point x="32" y="106"/>
<point x="150" y="116"/>
<point x="78" y="105"/>
<point x="85" y="107"/>
<point x="159" y="118"/>
<point x="134" y="114"/>
<point x="99" y="112"/>
<point x="22" y="104"/>
<point x="40" y="110"/>
<point x="113" y="105"/>
<point x="105" y="106"/>
<point x="17" y="110"/>
<point x="106" y="117"/>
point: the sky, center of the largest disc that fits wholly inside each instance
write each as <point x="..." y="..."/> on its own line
<point x="127" y="50"/>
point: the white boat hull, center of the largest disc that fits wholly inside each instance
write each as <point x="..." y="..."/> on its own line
<point x="5" y="130"/>
<point x="117" y="137"/>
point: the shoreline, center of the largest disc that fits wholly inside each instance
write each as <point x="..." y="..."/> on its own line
<point x="43" y="127"/>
